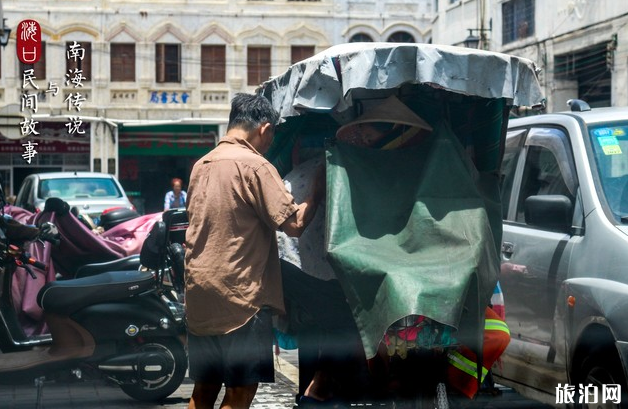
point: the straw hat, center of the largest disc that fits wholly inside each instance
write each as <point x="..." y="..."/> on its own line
<point x="389" y="125"/>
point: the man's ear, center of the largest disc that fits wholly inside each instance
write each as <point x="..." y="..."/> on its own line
<point x="265" y="127"/>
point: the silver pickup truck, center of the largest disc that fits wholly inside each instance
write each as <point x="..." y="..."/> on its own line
<point x="564" y="269"/>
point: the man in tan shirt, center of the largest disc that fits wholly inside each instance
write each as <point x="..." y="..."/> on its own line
<point x="236" y="201"/>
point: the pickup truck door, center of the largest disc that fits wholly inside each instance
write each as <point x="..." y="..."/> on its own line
<point x="538" y="161"/>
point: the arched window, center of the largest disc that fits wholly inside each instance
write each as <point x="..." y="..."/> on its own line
<point x="360" y="38"/>
<point x="401" y="37"/>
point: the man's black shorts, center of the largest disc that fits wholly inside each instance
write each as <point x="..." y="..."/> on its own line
<point x="239" y="358"/>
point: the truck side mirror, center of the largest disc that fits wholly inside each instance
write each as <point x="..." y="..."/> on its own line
<point x="552" y="212"/>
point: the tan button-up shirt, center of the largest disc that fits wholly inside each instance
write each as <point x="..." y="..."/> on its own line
<point x="236" y="201"/>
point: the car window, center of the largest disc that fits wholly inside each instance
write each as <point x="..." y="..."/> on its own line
<point x="73" y="188"/>
<point x="610" y="153"/>
<point x="512" y="152"/>
<point x="22" y="197"/>
<point x="548" y="169"/>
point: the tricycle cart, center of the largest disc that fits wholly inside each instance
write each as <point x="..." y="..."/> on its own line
<point x="413" y="217"/>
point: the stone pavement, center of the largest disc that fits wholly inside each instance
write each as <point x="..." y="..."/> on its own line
<point x="102" y="394"/>
<point x="280" y="395"/>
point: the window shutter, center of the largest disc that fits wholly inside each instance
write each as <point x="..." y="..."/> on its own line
<point x="160" y="69"/>
<point x="258" y="65"/>
<point x="213" y="63"/>
<point x="301" y="52"/>
<point x="122" y="62"/>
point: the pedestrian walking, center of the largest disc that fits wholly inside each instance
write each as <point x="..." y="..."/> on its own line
<point x="236" y="202"/>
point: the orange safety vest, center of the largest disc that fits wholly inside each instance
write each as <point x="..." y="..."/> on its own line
<point x="462" y="363"/>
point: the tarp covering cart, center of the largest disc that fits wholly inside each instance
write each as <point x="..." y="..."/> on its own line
<point x="414" y="226"/>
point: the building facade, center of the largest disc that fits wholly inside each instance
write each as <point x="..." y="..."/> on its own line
<point x="156" y="77"/>
<point x="580" y="46"/>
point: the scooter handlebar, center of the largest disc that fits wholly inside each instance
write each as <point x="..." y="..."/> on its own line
<point x="23" y="259"/>
<point x="49" y="233"/>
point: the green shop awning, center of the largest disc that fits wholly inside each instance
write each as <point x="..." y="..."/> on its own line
<point x="167" y="139"/>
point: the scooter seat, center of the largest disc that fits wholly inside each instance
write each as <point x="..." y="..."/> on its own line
<point x="123" y="264"/>
<point x="68" y="296"/>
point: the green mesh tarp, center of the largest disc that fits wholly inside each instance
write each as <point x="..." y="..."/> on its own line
<point x="408" y="233"/>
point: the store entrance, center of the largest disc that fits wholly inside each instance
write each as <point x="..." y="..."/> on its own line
<point x="146" y="179"/>
<point x="151" y="155"/>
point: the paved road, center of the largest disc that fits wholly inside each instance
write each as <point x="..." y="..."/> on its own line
<point x="280" y="395"/>
<point x="106" y="395"/>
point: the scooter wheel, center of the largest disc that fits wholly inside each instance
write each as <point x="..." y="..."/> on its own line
<point x="151" y="388"/>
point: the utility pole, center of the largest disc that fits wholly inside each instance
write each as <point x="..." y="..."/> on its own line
<point x="484" y="41"/>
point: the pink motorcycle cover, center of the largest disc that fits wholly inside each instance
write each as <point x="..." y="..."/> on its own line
<point x="78" y="246"/>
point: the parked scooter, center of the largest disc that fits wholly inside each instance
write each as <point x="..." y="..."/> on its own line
<point x="119" y="248"/>
<point x="161" y="252"/>
<point x="116" y="324"/>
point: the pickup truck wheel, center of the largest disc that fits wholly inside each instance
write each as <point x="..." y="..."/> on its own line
<point x="602" y="369"/>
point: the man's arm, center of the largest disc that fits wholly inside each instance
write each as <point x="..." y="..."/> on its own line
<point x="298" y="221"/>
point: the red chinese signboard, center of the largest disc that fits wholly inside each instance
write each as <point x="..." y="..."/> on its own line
<point x="28" y="41"/>
<point x="46" y="146"/>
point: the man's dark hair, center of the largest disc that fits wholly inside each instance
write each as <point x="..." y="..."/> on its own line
<point x="249" y="111"/>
